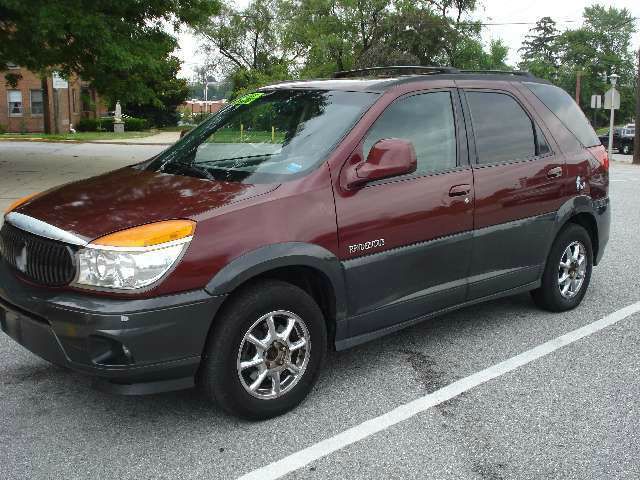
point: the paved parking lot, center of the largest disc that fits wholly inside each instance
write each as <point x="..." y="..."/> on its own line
<point x="573" y="413"/>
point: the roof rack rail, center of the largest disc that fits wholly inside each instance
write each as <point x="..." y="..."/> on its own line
<point x="397" y="70"/>
<point x="519" y="73"/>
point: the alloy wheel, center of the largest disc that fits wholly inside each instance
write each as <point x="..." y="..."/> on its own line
<point x="273" y="354"/>
<point x="572" y="269"/>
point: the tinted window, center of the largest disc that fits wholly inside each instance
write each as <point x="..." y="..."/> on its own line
<point x="427" y="121"/>
<point x="543" y="145"/>
<point x="567" y="111"/>
<point x="503" y="131"/>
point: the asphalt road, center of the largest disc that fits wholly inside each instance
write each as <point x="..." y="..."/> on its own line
<point x="572" y="414"/>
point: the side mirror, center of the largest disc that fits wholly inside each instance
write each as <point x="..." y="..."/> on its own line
<point x="389" y="157"/>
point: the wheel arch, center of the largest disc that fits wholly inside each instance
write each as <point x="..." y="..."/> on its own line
<point x="580" y="211"/>
<point x="310" y="267"/>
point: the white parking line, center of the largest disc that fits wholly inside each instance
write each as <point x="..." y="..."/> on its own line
<point x="404" y="412"/>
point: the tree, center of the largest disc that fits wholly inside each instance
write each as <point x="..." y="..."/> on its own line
<point x="170" y="92"/>
<point x="279" y="39"/>
<point x="251" y="43"/>
<point x="636" y="140"/>
<point x="121" y="46"/>
<point x="600" y="47"/>
<point x="540" y="43"/>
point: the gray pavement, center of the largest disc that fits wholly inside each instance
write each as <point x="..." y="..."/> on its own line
<point x="573" y="414"/>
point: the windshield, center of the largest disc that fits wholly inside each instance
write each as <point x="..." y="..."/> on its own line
<point x="266" y="137"/>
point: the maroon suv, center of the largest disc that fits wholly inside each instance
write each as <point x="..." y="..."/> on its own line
<point x="306" y="216"/>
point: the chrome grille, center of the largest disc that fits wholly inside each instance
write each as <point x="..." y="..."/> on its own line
<point x="41" y="260"/>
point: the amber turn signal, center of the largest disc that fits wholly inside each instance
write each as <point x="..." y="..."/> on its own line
<point x="19" y="202"/>
<point x="148" y="235"/>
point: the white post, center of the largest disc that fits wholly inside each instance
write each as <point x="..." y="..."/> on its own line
<point x="611" y="131"/>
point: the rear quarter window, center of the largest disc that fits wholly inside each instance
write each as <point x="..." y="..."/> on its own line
<point x="567" y="111"/>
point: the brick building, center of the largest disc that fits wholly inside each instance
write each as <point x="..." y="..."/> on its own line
<point x="202" y="106"/>
<point x="22" y="107"/>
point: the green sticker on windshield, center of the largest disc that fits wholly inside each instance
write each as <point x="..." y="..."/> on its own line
<point x="247" y="99"/>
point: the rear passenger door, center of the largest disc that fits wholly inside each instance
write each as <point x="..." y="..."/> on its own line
<point x="518" y="188"/>
<point x="406" y="241"/>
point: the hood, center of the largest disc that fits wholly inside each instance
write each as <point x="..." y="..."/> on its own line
<point x="130" y="197"/>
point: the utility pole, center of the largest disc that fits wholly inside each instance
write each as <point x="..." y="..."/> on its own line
<point x="46" y="109"/>
<point x="578" y="75"/>
<point x="636" y="140"/>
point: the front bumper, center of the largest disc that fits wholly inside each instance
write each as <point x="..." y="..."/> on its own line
<point x="134" y="346"/>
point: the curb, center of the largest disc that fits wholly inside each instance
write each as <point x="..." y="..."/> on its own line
<point x="96" y="142"/>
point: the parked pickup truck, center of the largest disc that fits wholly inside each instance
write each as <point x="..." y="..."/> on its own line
<point x="622" y="139"/>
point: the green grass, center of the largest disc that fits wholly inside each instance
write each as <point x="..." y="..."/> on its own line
<point x="175" y="128"/>
<point x="80" y="136"/>
<point x="252" y="136"/>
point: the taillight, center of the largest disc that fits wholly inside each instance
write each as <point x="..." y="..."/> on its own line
<point x="600" y="154"/>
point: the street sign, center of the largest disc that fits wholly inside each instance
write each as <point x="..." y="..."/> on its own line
<point x="59" y="82"/>
<point x="612" y="99"/>
<point x="596" y="101"/>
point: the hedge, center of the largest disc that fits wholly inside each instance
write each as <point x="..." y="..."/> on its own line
<point x="131" y="124"/>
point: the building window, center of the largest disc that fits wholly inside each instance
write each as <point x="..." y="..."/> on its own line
<point x="14" y="100"/>
<point x="37" y="105"/>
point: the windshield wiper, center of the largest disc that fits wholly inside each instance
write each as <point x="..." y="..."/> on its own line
<point x="188" y="169"/>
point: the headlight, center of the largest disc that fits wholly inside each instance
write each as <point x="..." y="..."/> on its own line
<point x="133" y="258"/>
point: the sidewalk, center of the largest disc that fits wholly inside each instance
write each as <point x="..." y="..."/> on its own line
<point x="162" y="138"/>
<point x="617" y="157"/>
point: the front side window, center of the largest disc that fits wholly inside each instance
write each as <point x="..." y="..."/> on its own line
<point x="502" y="129"/>
<point x="36" y="102"/>
<point x="427" y="121"/>
<point x="14" y="101"/>
<point x="267" y="136"/>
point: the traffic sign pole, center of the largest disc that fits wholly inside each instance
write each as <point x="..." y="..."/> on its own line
<point x="612" y="101"/>
<point x="611" y="131"/>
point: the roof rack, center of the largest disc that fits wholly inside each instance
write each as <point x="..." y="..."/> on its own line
<point x="395" y="70"/>
<point x="519" y="73"/>
<point x="420" y="70"/>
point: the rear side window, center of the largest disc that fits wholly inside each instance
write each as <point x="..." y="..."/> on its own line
<point x="503" y="131"/>
<point x="427" y="121"/>
<point x="567" y="111"/>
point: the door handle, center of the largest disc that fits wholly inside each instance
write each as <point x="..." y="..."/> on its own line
<point x="554" y="172"/>
<point x="460" y="190"/>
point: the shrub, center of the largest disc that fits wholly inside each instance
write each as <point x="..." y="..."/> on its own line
<point x="87" y="125"/>
<point x="3" y="129"/>
<point x="133" y="124"/>
<point x="105" y="124"/>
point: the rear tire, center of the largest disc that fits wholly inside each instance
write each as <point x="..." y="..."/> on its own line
<point x="567" y="273"/>
<point x="250" y="341"/>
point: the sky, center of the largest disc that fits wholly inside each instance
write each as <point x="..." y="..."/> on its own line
<point x="567" y="14"/>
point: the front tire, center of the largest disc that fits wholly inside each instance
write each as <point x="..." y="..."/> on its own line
<point x="567" y="273"/>
<point x="626" y="150"/>
<point x="265" y="352"/>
